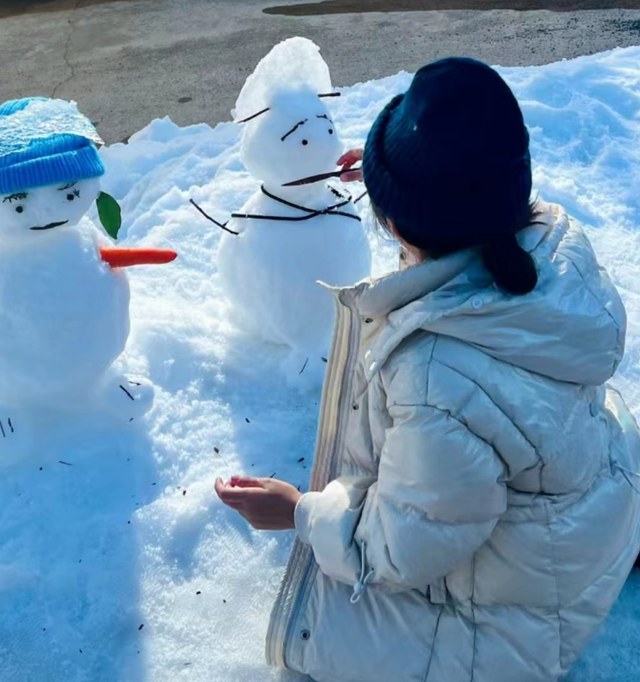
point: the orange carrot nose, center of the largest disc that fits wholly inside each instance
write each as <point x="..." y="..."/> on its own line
<point x="125" y="258"/>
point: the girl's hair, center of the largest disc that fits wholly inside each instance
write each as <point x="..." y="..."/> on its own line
<point x="511" y="267"/>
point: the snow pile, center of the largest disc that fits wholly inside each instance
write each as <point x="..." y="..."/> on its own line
<point x="117" y="563"/>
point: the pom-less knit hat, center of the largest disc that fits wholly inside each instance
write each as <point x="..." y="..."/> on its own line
<point x="448" y="161"/>
<point x="45" y="142"/>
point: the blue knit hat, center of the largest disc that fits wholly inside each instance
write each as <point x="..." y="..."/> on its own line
<point x="448" y="161"/>
<point x="45" y="142"/>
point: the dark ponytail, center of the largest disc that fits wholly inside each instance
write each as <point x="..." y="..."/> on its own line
<point x="511" y="267"/>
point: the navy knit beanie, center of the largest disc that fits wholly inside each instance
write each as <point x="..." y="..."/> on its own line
<point x="449" y="160"/>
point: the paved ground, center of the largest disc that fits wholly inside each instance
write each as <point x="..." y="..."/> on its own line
<point x="128" y="61"/>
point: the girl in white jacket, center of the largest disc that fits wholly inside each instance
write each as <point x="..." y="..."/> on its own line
<point x="475" y="504"/>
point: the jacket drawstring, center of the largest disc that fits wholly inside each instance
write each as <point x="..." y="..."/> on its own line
<point x="630" y="472"/>
<point x="360" y="587"/>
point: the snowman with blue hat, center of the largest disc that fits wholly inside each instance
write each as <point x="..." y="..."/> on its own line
<point x="64" y="296"/>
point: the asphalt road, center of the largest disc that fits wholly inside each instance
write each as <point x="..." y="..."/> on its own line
<point x="129" y="61"/>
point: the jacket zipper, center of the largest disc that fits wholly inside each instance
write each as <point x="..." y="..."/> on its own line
<point x="297" y="579"/>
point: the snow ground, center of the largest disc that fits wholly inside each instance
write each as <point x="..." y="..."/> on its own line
<point x="121" y="565"/>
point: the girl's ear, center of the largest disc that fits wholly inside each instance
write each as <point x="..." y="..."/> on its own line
<point x="110" y="214"/>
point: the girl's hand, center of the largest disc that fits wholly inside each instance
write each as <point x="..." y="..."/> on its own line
<point x="346" y="161"/>
<point x="266" y="503"/>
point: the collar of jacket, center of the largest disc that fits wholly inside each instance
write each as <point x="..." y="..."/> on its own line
<point x="403" y="297"/>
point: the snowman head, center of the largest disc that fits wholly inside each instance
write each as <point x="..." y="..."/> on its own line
<point x="288" y="130"/>
<point x="295" y="139"/>
<point x="34" y="211"/>
<point x="49" y="167"/>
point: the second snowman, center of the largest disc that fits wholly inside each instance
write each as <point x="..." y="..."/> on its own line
<point x="287" y="238"/>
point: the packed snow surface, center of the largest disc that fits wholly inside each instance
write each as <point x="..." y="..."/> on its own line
<point x="117" y="562"/>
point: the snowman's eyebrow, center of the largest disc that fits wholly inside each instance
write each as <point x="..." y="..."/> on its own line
<point x="264" y="111"/>
<point x="15" y="197"/>
<point x="293" y="130"/>
<point x="324" y="116"/>
<point x="69" y="186"/>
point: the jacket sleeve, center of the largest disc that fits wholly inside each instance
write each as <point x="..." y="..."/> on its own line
<point x="439" y="494"/>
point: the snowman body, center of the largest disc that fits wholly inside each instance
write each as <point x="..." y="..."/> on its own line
<point x="64" y="313"/>
<point x="64" y="316"/>
<point x="271" y="269"/>
<point x="290" y="238"/>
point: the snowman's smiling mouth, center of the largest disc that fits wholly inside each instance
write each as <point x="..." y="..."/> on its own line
<point x="50" y="226"/>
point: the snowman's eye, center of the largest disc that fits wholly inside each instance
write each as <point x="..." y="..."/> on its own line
<point x="330" y="131"/>
<point x="305" y="142"/>
<point x="72" y="195"/>
<point x="19" y="209"/>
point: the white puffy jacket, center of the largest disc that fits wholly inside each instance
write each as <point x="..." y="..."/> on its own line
<point x="477" y="501"/>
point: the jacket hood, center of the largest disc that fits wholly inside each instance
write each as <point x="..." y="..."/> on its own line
<point x="570" y="328"/>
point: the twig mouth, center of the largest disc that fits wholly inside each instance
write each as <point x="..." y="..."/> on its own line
<point x="50" y="226"/>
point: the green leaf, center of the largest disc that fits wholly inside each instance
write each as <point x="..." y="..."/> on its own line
<point x="110" y="214"/>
